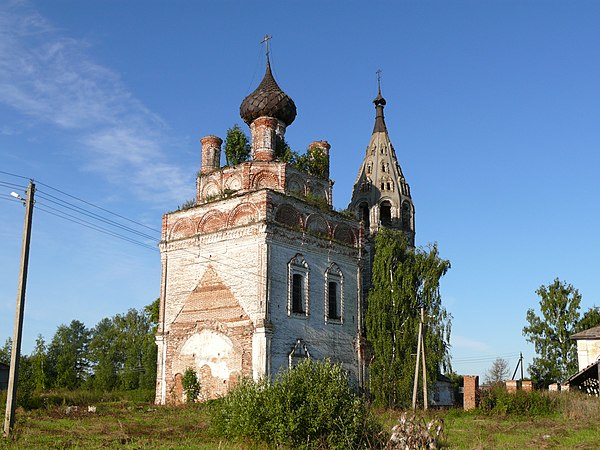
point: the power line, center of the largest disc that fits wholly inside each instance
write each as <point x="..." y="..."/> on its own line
<point x="91" y="226"/>
<point x="79" y="210"/>
<point x="14" y="175"/>
<point x="13" y="185"/>
<point x="479" y="359"/>
<point x="99" y="207"/>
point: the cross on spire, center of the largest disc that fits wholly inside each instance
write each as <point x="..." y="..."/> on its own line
<point x="265" y="41"/>
<point x="378" y="72"/>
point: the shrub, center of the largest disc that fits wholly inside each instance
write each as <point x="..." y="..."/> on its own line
<point x="309" y="406"/>
<point x="498" y="401"/>
<point x="191" y="385"/>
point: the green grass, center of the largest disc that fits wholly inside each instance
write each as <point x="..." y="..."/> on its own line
<point x="132" y="424"/>
<point x="574" y="425"/>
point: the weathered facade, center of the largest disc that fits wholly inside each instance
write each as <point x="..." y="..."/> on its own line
<point x="261" y="271"/>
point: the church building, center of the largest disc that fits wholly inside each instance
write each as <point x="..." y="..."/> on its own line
<point x="261" y="272"/>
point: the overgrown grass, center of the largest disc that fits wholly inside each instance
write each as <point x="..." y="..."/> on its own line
<point x="498" y="401"/>
<point x="123" y="423"/>
<point x="544" y="420"/>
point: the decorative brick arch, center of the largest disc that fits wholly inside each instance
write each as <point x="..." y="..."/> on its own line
<point x="286" y="214"/>
<point x="211" y="190"/>
<point x="318" y="191"/>
<point x="233" y="183"/>
<point x="183" y="228"/>
<point x="242" y="214"/>
<point x="316" y="224"/>
<point x="265" y="179"/>
<point x="345" y="234"/>
<point x="296" y="184"/>
<point x="213" y="220"/>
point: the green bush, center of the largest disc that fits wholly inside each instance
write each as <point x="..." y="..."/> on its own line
<point x="309" y="406"/>
<point x="498" y="401"/>
<point x="191" y="385"/>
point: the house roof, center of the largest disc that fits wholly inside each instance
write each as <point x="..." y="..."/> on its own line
<point x="591" y="333"/>
<point x="4" y="366"/>
<point x="590" y="371"/>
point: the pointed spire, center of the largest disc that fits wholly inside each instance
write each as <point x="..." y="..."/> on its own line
<point x="379" y="102"/>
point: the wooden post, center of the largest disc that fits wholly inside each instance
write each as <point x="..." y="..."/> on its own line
<point x="425" y="399"/>
<point x="13" y="375"/>
<point x="416" y="382"/>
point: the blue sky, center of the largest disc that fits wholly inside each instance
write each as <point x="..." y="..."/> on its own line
<point x="492" y="107"/>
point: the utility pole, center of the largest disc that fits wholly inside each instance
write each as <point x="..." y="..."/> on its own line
<point x="420" y="354"/>
<point x="520" y="363"/>
<point x="425" y="399"/>
<point x="13" y="375"/>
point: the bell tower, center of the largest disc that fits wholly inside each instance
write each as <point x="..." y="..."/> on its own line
<point x="381" y="195"/>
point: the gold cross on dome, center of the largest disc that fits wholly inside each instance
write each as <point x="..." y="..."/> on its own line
<point x="265" y="41"/>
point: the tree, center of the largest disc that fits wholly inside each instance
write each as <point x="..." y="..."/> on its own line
<point x="498" y="373"/>
<point x="5" y="351"/>
<point x="317" y="162"/>
<point x="551" y="333"/>
<point x="404" y="278"/>
<point x="68" y="355"/>
<point x="104" y="355"/>
<point x="38" y="361"/>
<point x="283" y="152"/>
<point x="122" y="351"/>
<point x="237" y="146"/>
<point x="590" y="319"/>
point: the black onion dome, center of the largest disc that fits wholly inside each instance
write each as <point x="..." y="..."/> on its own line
<point x="268" y="100"/>
<point x="379" y="100"/>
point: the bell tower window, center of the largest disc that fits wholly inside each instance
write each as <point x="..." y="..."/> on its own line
<point x="385" y="213"/>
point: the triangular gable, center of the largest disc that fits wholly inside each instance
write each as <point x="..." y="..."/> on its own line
<point x="211" y="300"/>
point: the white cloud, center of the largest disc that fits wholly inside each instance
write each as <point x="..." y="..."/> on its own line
<point x="52" y="79"/>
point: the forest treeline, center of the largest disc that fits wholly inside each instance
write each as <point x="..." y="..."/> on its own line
<point x="118" y="353"/>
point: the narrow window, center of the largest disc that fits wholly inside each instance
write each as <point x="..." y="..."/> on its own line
<point x="297" y="297"/>
<point x="334" y="295"/>
<point x="334" y="308"/>
<point x="406" y="216"/>
<point x="385" y="213"/>
<point x="298" y="288"/>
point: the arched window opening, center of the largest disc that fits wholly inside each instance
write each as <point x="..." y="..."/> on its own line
<point x="406" y="216"/>
<point x="298" y="286"/>
<point x="297" y="297"/>
<point x="333" y="300"/>
<point x="334" y="294"/>
<point x="385" y="213"/>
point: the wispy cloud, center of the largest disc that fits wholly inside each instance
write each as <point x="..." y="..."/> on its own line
<point x="51" y="78"/>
